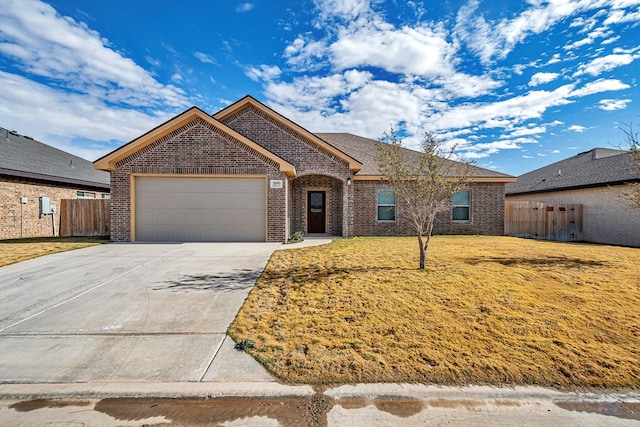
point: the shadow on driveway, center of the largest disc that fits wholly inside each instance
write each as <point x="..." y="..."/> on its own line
<point x="231" y="281"/>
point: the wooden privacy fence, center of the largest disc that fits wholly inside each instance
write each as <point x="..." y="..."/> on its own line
<point x="537" y="220"/>
<point x="84" y="217"/>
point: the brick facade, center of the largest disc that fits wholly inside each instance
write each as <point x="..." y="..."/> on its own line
<point x="14" y="224"/>
<point x="196" y="148"/>
<point x="203" y="147"/>
<point x="486" y="210"/>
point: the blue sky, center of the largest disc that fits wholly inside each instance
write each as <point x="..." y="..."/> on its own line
<point x="514" y="84"/>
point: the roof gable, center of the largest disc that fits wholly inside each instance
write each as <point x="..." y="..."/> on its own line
<point x="24" y="156"/>
<point x="109" y="161"/>
<point x="594" y="168"/>
<point x="354" y="165"/>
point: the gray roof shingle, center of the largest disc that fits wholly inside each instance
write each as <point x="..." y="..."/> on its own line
<point x="364" y="150"/>
<point x="597" y="167"/>
<point x="23" y="156"/>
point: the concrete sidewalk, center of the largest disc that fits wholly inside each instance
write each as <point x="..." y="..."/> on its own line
<point x="271" y="404"/>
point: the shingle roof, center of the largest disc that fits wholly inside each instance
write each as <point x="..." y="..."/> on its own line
<point x="597" y="167"/>
<point x="364" y="150"/>
<point x="26" y="157"/>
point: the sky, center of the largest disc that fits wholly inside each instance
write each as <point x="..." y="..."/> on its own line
<point x="512" y="85"/>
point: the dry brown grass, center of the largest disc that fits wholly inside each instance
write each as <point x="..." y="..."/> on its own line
<point x="488" y="310"/>
<point x="16" y="250"/>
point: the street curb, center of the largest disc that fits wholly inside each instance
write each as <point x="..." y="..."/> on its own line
<point x="479" y="393"/>
<point x="181" y="390"/>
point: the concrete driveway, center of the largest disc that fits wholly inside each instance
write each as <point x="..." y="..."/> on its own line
<point x="128" y="312"/>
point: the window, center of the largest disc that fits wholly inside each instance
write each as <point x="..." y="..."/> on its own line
<point x="386" y="205"/>
<point x="85" y="194"/>
<point x="460" y="202"/>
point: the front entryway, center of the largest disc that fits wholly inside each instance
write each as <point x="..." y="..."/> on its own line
<point x="316" y="211"/>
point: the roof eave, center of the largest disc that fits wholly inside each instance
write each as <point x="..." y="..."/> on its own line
<point x="57" y="179"/>
<point x="575" y="187"/>
<point x="505" y="179"/>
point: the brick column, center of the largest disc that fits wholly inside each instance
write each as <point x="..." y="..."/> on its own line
<point x="347" y="208"/>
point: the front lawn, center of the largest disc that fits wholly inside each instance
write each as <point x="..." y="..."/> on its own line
<point x="488" y="310"/>
<point x="16" y="250"/>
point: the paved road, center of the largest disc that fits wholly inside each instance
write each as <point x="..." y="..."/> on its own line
<point x="128" y="312"/>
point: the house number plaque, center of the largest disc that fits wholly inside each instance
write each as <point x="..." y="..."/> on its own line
<point x="275" y="183"/>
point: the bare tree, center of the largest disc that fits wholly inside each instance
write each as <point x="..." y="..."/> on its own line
<point x="634" y="151"/>
<point x="423" y="181"/>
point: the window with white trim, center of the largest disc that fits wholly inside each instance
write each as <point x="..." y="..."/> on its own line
<point x="386" y="205"/>
<point x="461" y="206"/>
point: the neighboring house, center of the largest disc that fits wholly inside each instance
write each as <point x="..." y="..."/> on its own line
<point x="249" y="174"/>
<point x="30" y="170"/>
<point x="594" y="179"/>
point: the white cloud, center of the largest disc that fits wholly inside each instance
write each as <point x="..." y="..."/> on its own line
<point x="542" y="78"/>
<point x="613" y="104"/>
<point x="263" y="72"/>
<point x="606" y="63"/>
<point x="74" y="86"/>
<point x="75" y="57"/>
<point x="244" y="7"/>
<point x="62" y="117"/>
<point x="205" y="58"/>
<point x="526" y="131"/>
<point x="496" y="39"/>
<point x="600" y="85"/>
<point x="422" y="51"/>
<point x="514" y="110"/>
<point x="576" y="128"/>
<point x="344" y="10"/>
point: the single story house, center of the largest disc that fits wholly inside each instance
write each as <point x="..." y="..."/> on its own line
<point x="595" y="179"/>
<point x="248" y="173"/>
<point x="30" y="170"/>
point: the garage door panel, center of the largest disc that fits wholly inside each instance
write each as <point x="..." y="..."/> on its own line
<point x="200" y="209"/>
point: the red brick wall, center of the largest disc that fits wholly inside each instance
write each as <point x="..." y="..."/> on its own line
<point x="195" y="149"/>
<point x="487" y="213"/>
<point x="13" y="188"/>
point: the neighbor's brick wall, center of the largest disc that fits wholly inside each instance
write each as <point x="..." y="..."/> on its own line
<point x="487" y="213"/>
<point x="334" y="200"/>
<point x="196" y="148"/>
<point x="606" y="218"/>
<point x="13" y="188"/>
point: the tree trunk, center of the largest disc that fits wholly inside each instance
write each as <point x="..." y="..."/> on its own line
<point x="423" y="252"/>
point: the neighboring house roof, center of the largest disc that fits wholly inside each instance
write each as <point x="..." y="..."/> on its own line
<point x="108" y="162"/>
<point x="25" y="157"/>
<point x="365" y="149"/>
<point x="594" y="168"/>
<point x="354" y="164"/>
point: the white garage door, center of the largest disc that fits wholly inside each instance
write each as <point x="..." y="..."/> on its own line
<point x="169" y="209"/>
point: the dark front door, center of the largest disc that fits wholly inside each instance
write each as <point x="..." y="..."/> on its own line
<point x="316" y="209"/>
